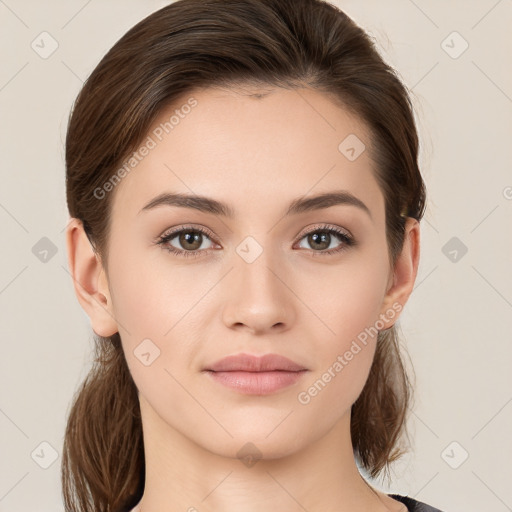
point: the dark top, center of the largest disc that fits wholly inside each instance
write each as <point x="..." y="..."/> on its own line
<point x="413" y="505"/>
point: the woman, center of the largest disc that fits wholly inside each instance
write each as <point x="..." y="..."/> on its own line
<point x="245" y="200"/>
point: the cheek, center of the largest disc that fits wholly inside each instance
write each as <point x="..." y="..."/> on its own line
<point x="344" y="359"/>
<point x="349" y="304"/>
<point x="160" y="301"/>
<point x="346" y="299"/>
<point x="151" y="295"/>
<point x="154" y="315"/>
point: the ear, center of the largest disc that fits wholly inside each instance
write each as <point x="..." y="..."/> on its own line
<point x="403" y="276"/>
<point x="89" y="280"/>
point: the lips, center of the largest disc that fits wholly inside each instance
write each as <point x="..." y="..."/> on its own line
<point x="249" y="363"/>
<point x="256" y="375"/>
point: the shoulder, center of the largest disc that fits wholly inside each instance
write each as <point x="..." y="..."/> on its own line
<point x="414" y="505"/>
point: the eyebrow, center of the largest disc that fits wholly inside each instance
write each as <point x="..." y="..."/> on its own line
<point x="297" y="206"/>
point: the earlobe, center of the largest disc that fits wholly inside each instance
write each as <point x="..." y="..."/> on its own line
<point x="404" y="274"/>
<point x="89" y="280"/>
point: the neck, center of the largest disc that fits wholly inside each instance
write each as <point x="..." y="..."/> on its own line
<point x="181" y="475"/>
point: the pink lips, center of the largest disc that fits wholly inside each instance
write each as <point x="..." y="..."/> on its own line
<point x="254" y="375"/>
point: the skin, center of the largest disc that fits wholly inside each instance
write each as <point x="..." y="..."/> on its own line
<point x="255" y="154"/>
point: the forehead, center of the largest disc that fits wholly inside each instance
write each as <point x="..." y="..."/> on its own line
<point x="250" y="147"/>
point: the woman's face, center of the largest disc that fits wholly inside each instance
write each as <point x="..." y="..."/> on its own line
<point x="262" y="280"/>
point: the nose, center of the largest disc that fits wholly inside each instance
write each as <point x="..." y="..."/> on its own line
<point x="258" y="297"/>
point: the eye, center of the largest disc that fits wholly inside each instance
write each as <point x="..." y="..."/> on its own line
<point x="190" y="239"/>
<point x="322" y="238"/>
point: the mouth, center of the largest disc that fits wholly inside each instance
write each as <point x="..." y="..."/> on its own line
<point x="256" y="375"/>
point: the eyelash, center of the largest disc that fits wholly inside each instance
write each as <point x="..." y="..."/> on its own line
<point x="163" y="240"/>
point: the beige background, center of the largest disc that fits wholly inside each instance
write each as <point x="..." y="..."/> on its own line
<point x="457" y="324"/>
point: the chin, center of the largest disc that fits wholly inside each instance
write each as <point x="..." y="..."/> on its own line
<point x="251" y="446"/>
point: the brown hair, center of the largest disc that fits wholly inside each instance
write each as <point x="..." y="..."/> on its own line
<point x="193" y="44"/>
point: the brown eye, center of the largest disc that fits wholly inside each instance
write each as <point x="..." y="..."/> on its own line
<point x="323" y="240"/>
<point x="186" y="242"/>
<point x="319" y="241"/>
<point x="190" y="240"/>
